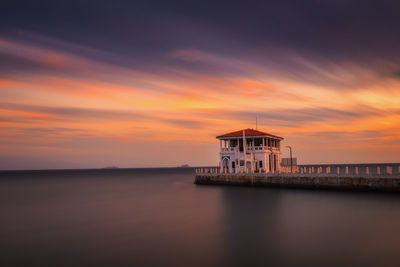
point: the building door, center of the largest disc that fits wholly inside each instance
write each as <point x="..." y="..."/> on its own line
<point x="225" y="165"/>
<point x="248" y="166"/>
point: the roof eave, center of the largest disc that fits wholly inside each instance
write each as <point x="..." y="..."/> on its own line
<point x="253" y="136"/>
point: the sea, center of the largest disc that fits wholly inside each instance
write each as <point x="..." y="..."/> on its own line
<point x="159" y="217"/>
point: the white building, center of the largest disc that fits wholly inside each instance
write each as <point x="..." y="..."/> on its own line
<point x="250" y="151"/>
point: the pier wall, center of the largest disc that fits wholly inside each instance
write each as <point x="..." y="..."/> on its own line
<point x="372" y="182"/>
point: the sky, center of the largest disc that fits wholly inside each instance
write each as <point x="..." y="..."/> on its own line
<point x="90" y="84"/>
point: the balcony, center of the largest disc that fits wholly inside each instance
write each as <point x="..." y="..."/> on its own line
<point x="249" y="149"/>
<point x="229" y="149"/>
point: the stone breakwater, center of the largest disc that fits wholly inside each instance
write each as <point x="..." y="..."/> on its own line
<point x="387" y="183"/>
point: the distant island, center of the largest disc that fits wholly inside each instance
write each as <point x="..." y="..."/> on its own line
<point x="184" y="166"/>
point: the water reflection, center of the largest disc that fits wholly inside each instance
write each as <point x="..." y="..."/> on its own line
<point x="310" y="228"/>
<point x="251" y="219"/>
<point x="158" y="217"/>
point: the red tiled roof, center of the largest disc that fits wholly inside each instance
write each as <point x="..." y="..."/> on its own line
<point x="248" y="132"/>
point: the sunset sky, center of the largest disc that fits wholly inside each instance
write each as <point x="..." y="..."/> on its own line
<point x="87" y="84"/>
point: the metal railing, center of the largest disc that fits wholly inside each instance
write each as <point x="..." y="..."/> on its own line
<point x="249" y="148"/>
<point x="380" y="172"/>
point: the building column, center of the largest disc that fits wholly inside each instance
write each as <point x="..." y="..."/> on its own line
<point x="265" y="163"/>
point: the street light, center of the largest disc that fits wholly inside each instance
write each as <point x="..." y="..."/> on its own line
<point x="291" y="161"/>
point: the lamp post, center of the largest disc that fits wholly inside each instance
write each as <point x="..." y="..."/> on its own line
<point x="291" y="161"/>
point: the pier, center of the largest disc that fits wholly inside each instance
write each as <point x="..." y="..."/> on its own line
<point x="383" y="179"/>
<point x="251" y="157"/>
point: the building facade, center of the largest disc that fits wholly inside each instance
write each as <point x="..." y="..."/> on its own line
<point x="250" y="150"/>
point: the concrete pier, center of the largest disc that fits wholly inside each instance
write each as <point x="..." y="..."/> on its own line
<point x="317" y="180"/>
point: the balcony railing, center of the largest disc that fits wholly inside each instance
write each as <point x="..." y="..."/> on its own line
<point x="249" y="148"/>
<point x="228" y="149"/>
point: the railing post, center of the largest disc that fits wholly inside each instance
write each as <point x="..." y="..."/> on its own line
<point x="389" y="169"/>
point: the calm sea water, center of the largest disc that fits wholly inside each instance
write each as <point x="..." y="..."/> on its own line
<point x="158" y="217"/>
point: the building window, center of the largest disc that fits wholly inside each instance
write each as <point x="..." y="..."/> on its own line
<point x="242" y="163"/>
<point x="241" y="145"/>
<point x="258" y="142"/>
<point x="261" y="165"/>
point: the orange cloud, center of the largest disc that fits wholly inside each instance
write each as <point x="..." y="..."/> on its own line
<point x="54" y="59"/>
<point x="125" y="106"/>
